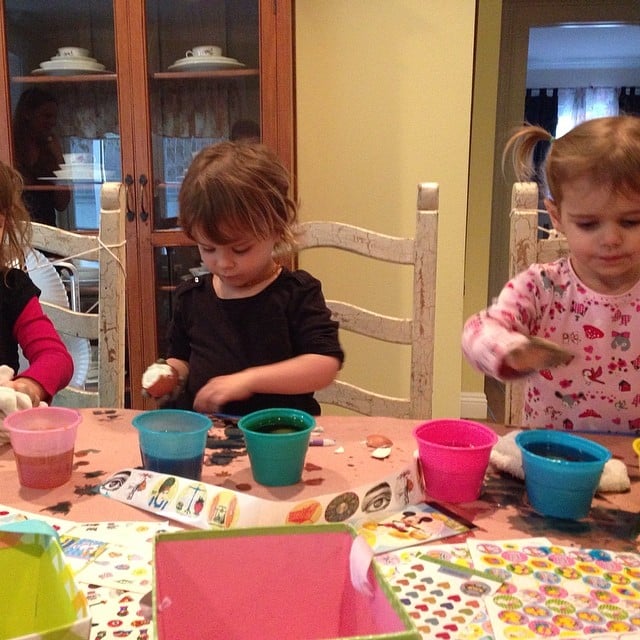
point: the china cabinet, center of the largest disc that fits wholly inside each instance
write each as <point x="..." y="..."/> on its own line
<point x="135" y="106"/>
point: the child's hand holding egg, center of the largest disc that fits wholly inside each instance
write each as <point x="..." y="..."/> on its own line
<point x="160" y="380"/>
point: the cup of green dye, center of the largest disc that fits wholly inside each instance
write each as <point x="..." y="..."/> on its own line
<point x="277" y="441"/>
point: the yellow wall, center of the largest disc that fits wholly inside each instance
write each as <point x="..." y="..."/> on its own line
<point x="384" y="96"/>
<point x="483" y="129"/>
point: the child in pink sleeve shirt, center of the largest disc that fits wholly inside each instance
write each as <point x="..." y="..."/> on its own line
<point x="22" y="321"/>
<point x="570" y="326"/>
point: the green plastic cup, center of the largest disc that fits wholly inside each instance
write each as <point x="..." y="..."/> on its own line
<point x="277" y="441"/>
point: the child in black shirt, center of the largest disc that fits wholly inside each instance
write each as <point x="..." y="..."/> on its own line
<point x="250" y="334"/>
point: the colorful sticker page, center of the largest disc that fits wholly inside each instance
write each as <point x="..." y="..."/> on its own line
<point x="117" y="614"/>
<point x="206" y="506"/>
<point x="394" y="562"/>
<point x="113" y="554"/>
<point x="441" y="597"/>
<point x="120" y="567"/>
<point x="453" y="553"/>
<point x="399" y="566"/>
<point x="414" y="525"/>
<point x="9" y="515"/>
<point x="562" y="592"/>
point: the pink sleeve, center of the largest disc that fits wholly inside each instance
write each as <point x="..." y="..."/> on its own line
<point x="50" y="363"/>
<point x="490" y="334"/>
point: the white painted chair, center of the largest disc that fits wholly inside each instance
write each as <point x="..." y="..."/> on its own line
<point x="527" y="247"/>
<point x="107" y="325"/>
<point x="416" y="331"/>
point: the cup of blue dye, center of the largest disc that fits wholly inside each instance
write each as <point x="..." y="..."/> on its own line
<point x="562" y="471"/>
<point x="277" y="441"/>
<point x="172" y="441"/>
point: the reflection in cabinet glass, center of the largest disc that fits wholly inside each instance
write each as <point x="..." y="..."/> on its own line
<point x="53" y="114"/>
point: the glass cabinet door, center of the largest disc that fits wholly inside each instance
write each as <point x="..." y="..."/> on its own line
<point x="204" y="88"/>
<point x="202" y="72"/>
<point x="61" y="131"/>
<point x="63" y="102"/>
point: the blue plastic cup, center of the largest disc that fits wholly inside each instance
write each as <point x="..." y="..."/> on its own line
<point x="172" y="441"/>
<point x="277" y="441"/>
<point x="561" y="471"/>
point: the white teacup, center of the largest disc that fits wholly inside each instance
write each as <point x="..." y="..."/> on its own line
<point x="73" y="52"/>
<point x="204" y="50"/>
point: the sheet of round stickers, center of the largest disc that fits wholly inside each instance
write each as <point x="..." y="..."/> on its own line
<point x="560" y="592"/>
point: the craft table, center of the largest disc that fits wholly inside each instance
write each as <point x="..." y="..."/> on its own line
<point x="107" y="442"/>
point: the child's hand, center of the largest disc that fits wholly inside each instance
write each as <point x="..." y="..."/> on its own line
<point x="160" y="381"/>
<point x="537" y="354"/>
<point x="220" y="390"/>
<point x="26" y="389"/>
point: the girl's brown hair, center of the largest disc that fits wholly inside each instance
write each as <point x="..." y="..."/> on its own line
<point x="17" y="226"/>
<point x="607" y="150"/>
<point x="234" y="189"/>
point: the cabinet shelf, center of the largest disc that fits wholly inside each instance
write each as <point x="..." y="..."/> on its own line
<point x="221" y="74"/>
<point x="84" y="77"/>
<point x="85" y="184"/>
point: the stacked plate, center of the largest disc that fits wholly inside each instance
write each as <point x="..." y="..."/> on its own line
<point x="78" y="167"/>
<point x="205" y="63"/>
<point x="69" y="65"/>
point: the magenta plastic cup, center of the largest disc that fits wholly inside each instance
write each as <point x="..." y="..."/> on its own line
<point x="454" y="456"/>
<point x="43" y="441"/>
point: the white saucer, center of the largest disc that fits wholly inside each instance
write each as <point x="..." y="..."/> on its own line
<point x="71" y="64"/>
<point x="72" y="58"/>
<point x="67" y="71"/>
<point x="205" y="63"/>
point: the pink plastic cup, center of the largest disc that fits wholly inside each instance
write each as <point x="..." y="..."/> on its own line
<point x="454" y="455"/>
<point x="43" y="441"/>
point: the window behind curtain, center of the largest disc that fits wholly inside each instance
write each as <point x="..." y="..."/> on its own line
<point x="585" y="103"/>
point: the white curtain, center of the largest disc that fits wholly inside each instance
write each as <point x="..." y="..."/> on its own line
<point x="585" y="103"/>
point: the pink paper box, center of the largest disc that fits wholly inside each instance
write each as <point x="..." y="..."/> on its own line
<point x="272" y="583"/>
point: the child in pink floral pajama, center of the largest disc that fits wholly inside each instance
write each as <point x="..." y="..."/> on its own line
<point x="587" y="303"/>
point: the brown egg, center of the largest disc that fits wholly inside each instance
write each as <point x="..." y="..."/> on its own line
<point x="376" y="440"/>
<point x="163" y="385"/>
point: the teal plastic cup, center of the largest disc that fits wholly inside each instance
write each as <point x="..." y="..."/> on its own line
<point x="561" y="471"/>
<point x="277" y="441"/>
<point x="172" y="441"/>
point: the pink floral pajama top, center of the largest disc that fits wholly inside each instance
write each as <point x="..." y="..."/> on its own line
<point x="599" y="390"/>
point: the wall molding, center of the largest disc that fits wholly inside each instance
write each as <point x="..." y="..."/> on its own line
<point x="473" y="405"/>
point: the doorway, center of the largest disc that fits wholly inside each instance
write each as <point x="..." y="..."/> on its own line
<point x="518" y="18"/>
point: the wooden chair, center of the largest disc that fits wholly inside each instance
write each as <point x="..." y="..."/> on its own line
<point x="107" y="325"/>
<point x="416" y="331"/>
<point x="528" y="244"/>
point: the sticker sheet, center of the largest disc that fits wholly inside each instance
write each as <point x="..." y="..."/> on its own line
<point x="404" y="568"/>
<point x="442" y="598"/>
<point x="9" y="514"/>
<point x="206" y="506"/>
<point x="415" y="524"/>
<point x="561" y="592"/>
<point x="117" y="614"/>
